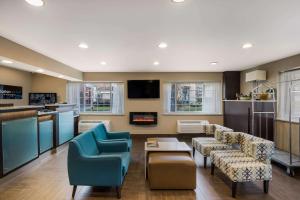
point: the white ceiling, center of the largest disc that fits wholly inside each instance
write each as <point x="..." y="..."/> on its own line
<point x="125" y="33"/>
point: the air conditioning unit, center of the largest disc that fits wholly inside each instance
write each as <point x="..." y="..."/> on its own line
<point x="85" y="125"/>
<point x="191" y="126"/>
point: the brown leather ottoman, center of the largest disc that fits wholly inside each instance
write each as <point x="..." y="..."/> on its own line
<point x="171" y="170"/>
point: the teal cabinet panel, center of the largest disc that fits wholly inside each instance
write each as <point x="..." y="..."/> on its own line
<point x="19" y="142"/>
<point x="66" y="126"/>
<point x="46" y="135"/>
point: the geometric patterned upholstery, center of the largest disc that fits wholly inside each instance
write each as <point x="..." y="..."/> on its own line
<point x="256" y="147"/>
<point x="205" y="145"/>
<point x="225" y="162"/>
<point x="262" y="150"/>
<point x="219" y="130"/>
<point x="215" y="156"/>
<point x="245" y="171"/>
<point x="250" y="163"/>
<point x="210" y="129"/>
<point x="206" y="148"/>
<point x="197" y="142"/>
<point x="201" y="140"/>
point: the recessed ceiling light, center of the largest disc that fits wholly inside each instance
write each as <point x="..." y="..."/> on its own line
<point x="40" y="70"/>
<point x="156" y="63"/>
<point x="177" y="1"/>
<point x="83" y="45"/>
<point x="37" y="3"/>
<point x="7" y="61"/>
<point x="247" y="45"/>
<point x="163" y="45"/>
<point x="103" y="63"/>
<point x="61" y="76"/>
<point x="213" y="63"/>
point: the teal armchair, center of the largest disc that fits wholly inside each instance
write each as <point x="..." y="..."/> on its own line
<point x="97" y="165"/>
<point x="103" y="136"/>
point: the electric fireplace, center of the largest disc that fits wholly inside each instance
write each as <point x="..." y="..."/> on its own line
<point x="143" y="118"/>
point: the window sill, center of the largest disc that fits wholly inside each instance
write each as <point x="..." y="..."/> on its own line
<point x="192" y="114"/>
<point x="101" y="114"/>
<point x="287" y="121"/>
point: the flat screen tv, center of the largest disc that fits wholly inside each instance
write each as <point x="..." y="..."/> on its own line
<point x="42" y="98"/>
<point x="143" y="89"/>
<point x="10" y="92"/>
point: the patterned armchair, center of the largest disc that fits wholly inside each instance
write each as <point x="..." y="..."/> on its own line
<point x="204" y="145"/>
<point x="251" y="163"/>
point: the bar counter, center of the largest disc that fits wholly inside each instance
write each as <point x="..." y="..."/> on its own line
<point x="18" y="137"/>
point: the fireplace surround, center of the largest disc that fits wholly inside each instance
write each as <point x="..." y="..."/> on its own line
<point x="143" y="118"/>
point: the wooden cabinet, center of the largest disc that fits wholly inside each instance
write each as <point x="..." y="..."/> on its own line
<point x="238" y="116"/>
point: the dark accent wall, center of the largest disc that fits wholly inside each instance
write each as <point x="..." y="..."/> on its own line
<point x="231" y="84"/>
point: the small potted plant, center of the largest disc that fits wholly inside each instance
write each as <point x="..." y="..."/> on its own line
<point x="245" y="97"/>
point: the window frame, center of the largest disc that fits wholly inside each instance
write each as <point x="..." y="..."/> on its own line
<point x="84" y="98"/>
<point x="189" y="105"/>
<point x="81" y="88"/>
<point x="202" y="112"/>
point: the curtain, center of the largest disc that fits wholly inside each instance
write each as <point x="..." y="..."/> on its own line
<point x="73" y="93"/>
<point x="212" y="98"/>
<point x="76" y="95"/>
<point x="167" y="99"/>
<point x="287" y="80"/>
<point x="117" y="98"/>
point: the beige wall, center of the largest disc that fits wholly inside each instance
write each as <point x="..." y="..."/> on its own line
<point x="282" y="139"/>
<point x="9" y="76"/>
<point x="44" y="83"/>
<point x="31" y="82"/>
<point x="14" y="51"/>
<point x="166" y="123"/>
<point x="273" y="70"/>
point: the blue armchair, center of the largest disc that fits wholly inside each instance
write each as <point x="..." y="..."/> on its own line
<point x="97" y="165"/>
<point x="103" y="136"/>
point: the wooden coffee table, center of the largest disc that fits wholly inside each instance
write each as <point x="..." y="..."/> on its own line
<point x="165" y="146"/>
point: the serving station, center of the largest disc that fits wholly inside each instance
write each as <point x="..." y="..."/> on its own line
<point x="28" y="131"/>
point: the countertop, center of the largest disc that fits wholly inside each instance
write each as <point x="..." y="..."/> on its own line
<point x="234" y="100"/>
<point x="19" y="108"/>
<point x="59" y="105"/>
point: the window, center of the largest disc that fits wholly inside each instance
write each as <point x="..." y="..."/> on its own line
<point x="193" y="97"/>
<point x="97" y="97"/>
<point x="289" y="79"/>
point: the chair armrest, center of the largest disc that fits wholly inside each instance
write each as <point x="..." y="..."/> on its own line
<point x="262" y="150"/>
<point x="113" y="146"/>
<point x="114" y="140"/>
<point x="100" y="170"/>
<point x="209" y="129"/>
<point x="231" y="137"/>
<point x="102" y="158"/>
<point x="118" y="135"/>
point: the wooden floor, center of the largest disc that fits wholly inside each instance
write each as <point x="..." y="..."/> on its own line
<point x="46" y="178"/>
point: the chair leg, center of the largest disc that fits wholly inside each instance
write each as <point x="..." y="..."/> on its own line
<point x="266" y="187"/>
<point x="194" y="152"/>
<point x="205" y="161"/>
<point x="118" y="192"/>
<point x="74" y="190"/>
<point x="212" y="172"/>
<point x="233" y="188"/>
